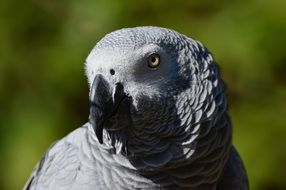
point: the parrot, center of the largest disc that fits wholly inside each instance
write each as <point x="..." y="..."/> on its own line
<point x="158" y="119"/>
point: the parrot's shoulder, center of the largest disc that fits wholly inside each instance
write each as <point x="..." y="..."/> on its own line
<point x="234" y="175"/>
<point x="63" y="163"/>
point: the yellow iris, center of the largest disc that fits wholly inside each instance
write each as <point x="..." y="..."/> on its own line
<point x="153" y="60"/>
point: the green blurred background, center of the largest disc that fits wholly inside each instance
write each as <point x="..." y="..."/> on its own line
<point x="44" y="93"/>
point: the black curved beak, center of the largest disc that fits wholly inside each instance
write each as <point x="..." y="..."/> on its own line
<point x="105" y="102"/>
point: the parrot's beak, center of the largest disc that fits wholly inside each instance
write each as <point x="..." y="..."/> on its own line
<point x="107" y="102"/>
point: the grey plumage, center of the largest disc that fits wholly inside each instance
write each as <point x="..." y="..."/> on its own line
<point x="150" y="128"/>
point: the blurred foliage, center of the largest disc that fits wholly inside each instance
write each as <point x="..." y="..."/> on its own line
<point x="44" y="93"/>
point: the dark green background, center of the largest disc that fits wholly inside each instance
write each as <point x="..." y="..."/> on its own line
<point x="44" y="93"/>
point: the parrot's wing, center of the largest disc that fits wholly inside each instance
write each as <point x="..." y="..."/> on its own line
<point x="234" y="175"/>
<point x="37" y="169"/>
<point x="65" y="165"/>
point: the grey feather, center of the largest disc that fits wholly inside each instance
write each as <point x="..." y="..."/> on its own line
<point x="149" y="128"/>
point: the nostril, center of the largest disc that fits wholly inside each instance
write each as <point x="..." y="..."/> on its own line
<point x="112" y="72"/>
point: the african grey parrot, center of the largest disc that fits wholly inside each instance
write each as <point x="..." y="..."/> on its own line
<point x="158" y="120"/>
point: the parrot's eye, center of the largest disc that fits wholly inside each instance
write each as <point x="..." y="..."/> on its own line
<point x="153" y="60"/>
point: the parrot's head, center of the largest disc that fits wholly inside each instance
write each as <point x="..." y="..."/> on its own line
<point x="151" y="89"/>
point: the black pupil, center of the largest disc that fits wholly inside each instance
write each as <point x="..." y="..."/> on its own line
<point x="153" y="59"/>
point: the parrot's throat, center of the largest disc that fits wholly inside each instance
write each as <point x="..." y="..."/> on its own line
<point x="200" y="162"/>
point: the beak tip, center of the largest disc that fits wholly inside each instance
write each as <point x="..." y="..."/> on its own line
<point x="99" y="133"/>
